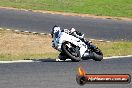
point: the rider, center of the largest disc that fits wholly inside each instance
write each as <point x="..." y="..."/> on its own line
<point x="54" y="33"/>
<point x="78" y="35"/>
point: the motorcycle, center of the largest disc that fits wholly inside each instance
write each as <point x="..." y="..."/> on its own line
<point x="73" y="48"/>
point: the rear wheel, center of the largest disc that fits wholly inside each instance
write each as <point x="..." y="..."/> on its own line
<point x="71" y="52"/>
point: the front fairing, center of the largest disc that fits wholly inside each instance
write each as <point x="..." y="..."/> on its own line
<point x="63" y="37"/>
<point x="74" y="40"/>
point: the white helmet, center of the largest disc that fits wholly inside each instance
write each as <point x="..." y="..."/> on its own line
<point x="73" y="30"/>
<point x="55" y="29"/>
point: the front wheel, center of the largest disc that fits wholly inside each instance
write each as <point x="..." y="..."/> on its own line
<point x="71" y="51"/>
<point x="98" y="55"/>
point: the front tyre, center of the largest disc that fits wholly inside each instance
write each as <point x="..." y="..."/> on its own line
<point x="68" y="51"/>
<point x="98" y="55"/>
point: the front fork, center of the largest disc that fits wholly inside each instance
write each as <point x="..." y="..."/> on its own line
<point x="82" y="51"/>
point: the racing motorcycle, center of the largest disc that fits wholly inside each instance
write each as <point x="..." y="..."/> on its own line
<point x="73" y="48"/>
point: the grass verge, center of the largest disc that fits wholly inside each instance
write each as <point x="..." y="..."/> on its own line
<point x="18" y="46"/>
<point x="119" y="8"/>
<point x="118" y="48"/>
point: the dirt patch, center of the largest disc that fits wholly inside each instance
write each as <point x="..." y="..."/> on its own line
<point x="17" y="44"/>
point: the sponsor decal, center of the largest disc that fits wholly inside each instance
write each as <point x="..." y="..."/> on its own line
<point x="83" y="78"/>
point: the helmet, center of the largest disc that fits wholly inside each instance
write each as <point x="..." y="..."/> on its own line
<point x="55" y="29"/>
<point x="73" y="30"/>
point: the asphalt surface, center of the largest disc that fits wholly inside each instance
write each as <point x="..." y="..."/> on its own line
<point x="106" y="29"/>
<point x="60" y="74"/>
<point x="63" y="74"/>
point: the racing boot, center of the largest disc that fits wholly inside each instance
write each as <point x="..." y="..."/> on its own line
<point x="88" y="55"/>
<point x="62" y="56"/>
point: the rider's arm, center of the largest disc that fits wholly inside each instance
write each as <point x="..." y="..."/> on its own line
<point x="78" y="35"/>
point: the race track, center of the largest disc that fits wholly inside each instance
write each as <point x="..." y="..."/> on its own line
<point x="63" y="74"/>
<point x="106" y="29"/>
<point x="60" y="74"/>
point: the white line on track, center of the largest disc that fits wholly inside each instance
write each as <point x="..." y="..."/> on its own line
<point x="57" y="60"/>
<point x="8" y="29"/>
<point x="113" y="57"/>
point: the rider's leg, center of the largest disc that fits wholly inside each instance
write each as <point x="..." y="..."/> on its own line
<point x="88" y="55"/>
<point x="85" y="41"/>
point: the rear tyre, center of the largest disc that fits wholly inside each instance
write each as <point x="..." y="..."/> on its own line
<point x="69" y="54"/>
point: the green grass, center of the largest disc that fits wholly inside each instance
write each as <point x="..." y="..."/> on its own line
<point x="108" y="49"/>
<point x="119" y="8"/>
<point x="9" y="57"/>
<point x="118" y="48"/>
